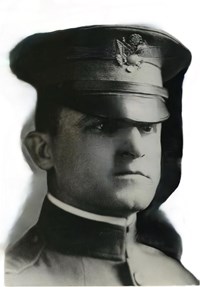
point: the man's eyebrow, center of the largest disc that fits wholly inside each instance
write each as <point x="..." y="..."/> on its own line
<point x="85" y="119"/>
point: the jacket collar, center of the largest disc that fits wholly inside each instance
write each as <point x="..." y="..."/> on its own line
<point x="70" y="233"/>
<point x="120" y="221"/>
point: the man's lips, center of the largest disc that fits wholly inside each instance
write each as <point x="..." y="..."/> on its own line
<point x="130" y="172"/>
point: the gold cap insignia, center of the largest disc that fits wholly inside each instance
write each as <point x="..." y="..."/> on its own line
<point x="129" y="52"/>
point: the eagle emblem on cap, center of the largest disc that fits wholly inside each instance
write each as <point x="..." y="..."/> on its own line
<point x="129" y="52"/>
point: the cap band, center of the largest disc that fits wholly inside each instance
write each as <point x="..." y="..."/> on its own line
<point x="109" y="87"/>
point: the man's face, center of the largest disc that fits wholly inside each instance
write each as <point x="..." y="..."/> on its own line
<point x="106" y="166"/>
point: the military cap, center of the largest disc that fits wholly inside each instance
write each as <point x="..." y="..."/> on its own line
<point x="111" y="71"/>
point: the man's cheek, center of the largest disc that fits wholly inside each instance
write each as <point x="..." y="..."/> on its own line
<point x="98" y="154"/>
<point x="97" y="164"/>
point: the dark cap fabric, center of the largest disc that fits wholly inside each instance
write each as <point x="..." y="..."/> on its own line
<point x="112" y="71"/>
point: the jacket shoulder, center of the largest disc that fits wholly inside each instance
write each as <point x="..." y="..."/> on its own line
<point x="29" y="262"/>
<point x="159" y="269"/>
<point x="24" y="253"/>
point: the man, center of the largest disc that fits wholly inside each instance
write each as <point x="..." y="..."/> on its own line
<point x="103" y="93"/>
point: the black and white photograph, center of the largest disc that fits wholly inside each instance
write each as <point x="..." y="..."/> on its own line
<point x="100" y="143"/>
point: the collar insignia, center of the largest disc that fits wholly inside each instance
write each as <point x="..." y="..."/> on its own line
<point x="129" y="52"/>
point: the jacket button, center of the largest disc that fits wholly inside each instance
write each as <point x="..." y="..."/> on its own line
<point x="35" y="239"/>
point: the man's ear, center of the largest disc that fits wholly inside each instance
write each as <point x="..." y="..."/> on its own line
<point x="38" y="145"/>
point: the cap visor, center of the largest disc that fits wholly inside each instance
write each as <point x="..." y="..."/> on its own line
<point x="135" y="107"/>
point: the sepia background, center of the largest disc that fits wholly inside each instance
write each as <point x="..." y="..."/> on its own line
<point x="20" y="18"/>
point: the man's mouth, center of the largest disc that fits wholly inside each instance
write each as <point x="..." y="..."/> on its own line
<point x="127" y="173"/>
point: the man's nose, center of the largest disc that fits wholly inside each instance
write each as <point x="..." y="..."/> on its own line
<point x="132" y="146"/>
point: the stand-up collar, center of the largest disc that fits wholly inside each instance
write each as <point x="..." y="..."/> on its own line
<point x="120" y="221"/>
<point x="78" y="235"/>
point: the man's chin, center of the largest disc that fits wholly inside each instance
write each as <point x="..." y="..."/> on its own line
<point x="135" y="200"/>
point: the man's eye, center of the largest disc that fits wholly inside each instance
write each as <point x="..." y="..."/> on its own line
<point x="147" y="128"/>
<point x="104" y="127"/>
<point x="99" y="126"/>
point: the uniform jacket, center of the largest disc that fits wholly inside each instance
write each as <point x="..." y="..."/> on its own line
<point x="65" y="249"/>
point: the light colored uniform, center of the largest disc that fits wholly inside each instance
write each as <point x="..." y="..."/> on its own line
<point x="74" y="250"/>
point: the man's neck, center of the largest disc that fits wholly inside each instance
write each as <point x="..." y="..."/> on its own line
<point x="120" y="221"/>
